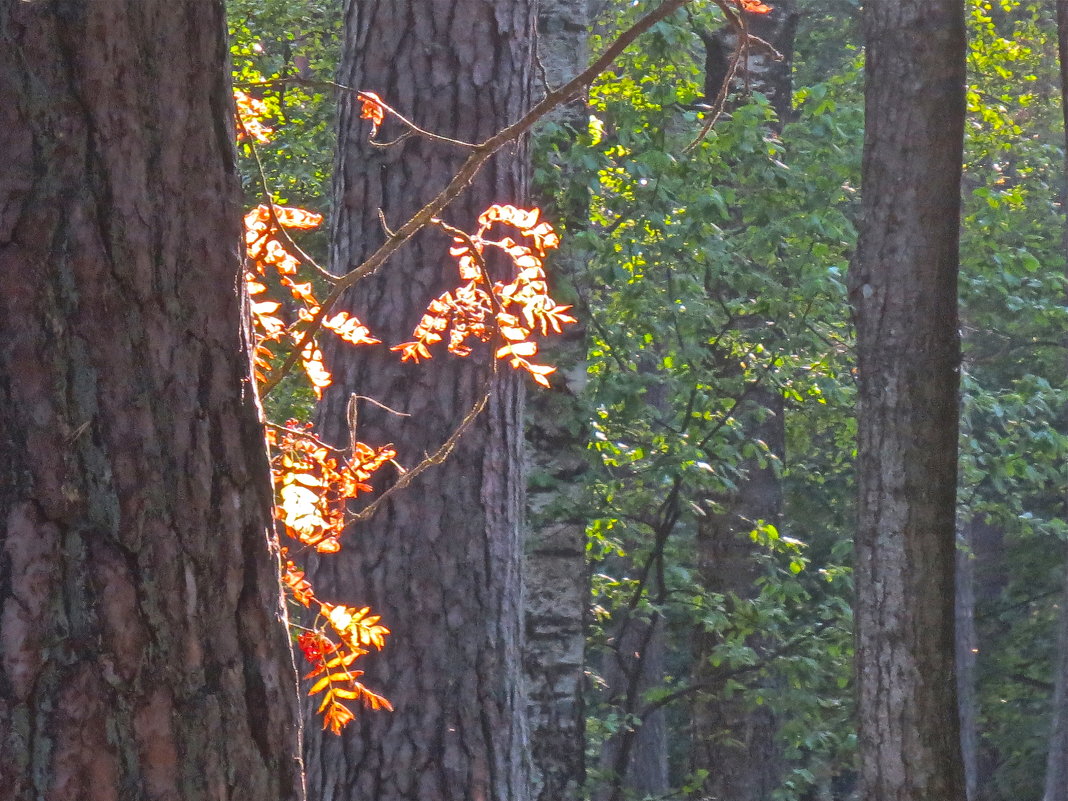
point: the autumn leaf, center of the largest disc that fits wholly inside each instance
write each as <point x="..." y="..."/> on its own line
<point x="250" y="112"/>
<point x="753" y="6"/>
<point x="372" y="109"/>
<point x="312" y="359"/>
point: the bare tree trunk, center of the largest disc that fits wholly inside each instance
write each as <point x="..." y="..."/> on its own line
<point x="903" y="284"/>
<point x="143" y="648"/>
<point x="1057" y="760"/>
<point x="967" y="640"/>
<point x="442" y="561"/>
<point x="637" y="760"/>
<point x="1056" y="788"/>
<point x="732" y="741"/>
<point x="555" y="572"/>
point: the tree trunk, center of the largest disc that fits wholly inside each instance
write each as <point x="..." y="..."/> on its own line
<point x="732" y="741"/>
<point x="759" y="71"/>
<point x="967" y="645"/>
<point x="143" y="648"/>
<point x="555" y="572"/>
<point x="903" y="285"/>
<point x="636" y="759"/>
<point x="1056" y="788"/>
<point x="1057" y="759"/>
<point x="441" y="561"/>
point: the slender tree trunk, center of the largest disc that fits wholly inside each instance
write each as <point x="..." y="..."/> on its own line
<point x="1056" y="788"/>
<point x="1057" y="760"/>
<point x="732" y="741"/>
<point x="143" y="649"/>
<point x="636" y="759"/>
<point x="557" y="583"/>
<point x="903" y="285"/>
<point x="442" y="560"/>
<point x="967" y="639"/>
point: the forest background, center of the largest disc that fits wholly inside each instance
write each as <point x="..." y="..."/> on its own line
<point x="709" y="400"/>
<point x="681" y="624"/>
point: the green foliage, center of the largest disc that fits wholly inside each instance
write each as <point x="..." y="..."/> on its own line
<point x="716" y="271"/>
<point x="712" y="276"/>
<point x="711" y="279"/>
<point x="1015" y="411"/>
<point x="285" y="54"/>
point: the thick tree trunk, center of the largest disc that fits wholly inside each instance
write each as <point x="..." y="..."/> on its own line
<point x="143" y="649"/>
<point x="442" y="560"/>
<point x="903" y="285"/>
<point x="555" y="573"/>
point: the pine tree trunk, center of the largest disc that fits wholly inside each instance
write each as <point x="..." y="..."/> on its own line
<point x="143" y="649"/>
<point x="557" y="584"/>
<point x="903" y="285"/>
<point x="442" y="561"/>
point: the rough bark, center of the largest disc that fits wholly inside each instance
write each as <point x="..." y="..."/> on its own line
<point x="143" y="649"/>
<point x="442" y="561"/>
<point x="903" y="285"/>
<point x="557" y="586"/>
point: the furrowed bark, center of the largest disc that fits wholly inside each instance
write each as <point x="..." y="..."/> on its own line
<point x="143" y="649"/>
<point x="441" y="561"/>
<point x="903" y="285"/>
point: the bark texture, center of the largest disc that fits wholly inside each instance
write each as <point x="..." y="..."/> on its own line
<point x="903" y="284"/>
<point x="555" y="571"/>
<point x="441" y="561"/>
<point x="143" y="650"/>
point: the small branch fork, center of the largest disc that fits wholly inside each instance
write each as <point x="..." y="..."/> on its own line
<point x="480" y="154"/>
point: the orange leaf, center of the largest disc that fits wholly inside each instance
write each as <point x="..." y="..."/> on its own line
<point x="249" y="111"/>
<point x="337" y="718"/>
<point x="753" y="6"/>
<point x="372" y="110"/>
<point x="290" y="217"/>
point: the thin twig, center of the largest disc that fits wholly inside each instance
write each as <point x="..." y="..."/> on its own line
<point x="478" y="158"/>
<point x="368" y="97"/>
<point x="269" y="197"/>
<point x="438" y="457"/>
<point x="304" y="435"/>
